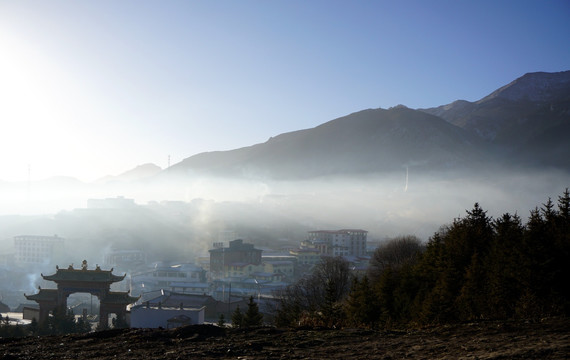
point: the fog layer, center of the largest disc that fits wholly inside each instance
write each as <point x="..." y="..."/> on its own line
<point x="196" y="208"/>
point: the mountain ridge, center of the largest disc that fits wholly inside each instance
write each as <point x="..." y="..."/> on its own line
<point x="512" y="125"/>
<point x="376" y="140"/>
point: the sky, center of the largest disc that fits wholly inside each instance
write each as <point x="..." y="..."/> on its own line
<point x="95" y="88"/>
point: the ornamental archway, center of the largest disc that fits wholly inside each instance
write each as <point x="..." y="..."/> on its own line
<point x="96" y="282"/>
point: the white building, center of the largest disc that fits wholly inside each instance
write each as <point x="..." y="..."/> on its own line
<point x="163" y="277"/>
<point x="155" y="316"/>
<point x="32" y="249"/>
<point x="345" y="242"/>
<point x="306" y="256"/>
<point x="124" y="258"/>
<point x="119" y="202"/>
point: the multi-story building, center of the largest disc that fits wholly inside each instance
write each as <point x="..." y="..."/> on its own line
<point x="119" y="202"/>
<point x="168" y="276"/>
<point x="306" y="256"/>
<point x="40" y="250"/>
<point x="345" y="242"/>
<point x="284" y="267"/>
<point x="124" y="259"/>
<point x="224" y="261"/>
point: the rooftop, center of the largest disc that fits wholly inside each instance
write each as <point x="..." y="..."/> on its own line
<point x="342" y="231"/>
<point x="43" y="295"/>
<point x="120" y="298"/>
<point x="83" y="274"/>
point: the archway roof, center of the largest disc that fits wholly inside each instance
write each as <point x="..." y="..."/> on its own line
<point x="122" y="298"/>
<point x="43" y="295"/>
<point x="84" y="275"/>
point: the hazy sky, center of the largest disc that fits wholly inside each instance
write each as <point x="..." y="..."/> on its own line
<point x="90" y="88"/>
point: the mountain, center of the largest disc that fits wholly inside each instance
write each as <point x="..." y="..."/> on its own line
<point x="523" y="123"/>
<point x="138" y="173"/>
<point x="529" y="119"/>
<point x="368" y="141"/>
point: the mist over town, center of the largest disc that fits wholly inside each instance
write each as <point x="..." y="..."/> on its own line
<point x="198" y="179"/>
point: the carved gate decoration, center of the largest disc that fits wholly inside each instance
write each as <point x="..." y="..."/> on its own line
<point x="96" y="282"/>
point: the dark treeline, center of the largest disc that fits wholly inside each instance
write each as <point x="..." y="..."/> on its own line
<point x="475" y="268"/>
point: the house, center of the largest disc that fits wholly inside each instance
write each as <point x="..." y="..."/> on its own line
<point x="282" y="267"/>
<point x="212" y="307"/>
<point x="164" y="276"/>
<point x="238" y="259"/>
<point x="4" y="308"/>
<point x="38" y="250"/>
<point x="345" y="242"/>
<point x="306" y="256"/>
<point x="197" y="288"/>
<point x="127" y="259"/>
<point x="158" y="315"/>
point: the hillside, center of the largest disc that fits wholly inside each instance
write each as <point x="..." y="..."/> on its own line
<point x="527" y="118"/>
<point x="369" y="141"/>
<point x="546" y="339"/>
<point x="522" y="123"/>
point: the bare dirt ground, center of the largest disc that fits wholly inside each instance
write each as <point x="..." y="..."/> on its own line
<point x="545" y="339"/>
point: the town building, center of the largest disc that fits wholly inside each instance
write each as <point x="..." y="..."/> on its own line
<point x="169" y="276"/>
<point x="345" y="242"/>
<point x="167" y="317"/>
<point x="125" y="259"/>
<point x="212" y="308"/>
<point x="257" y="285"/>
<point x="119" y="202"/>
<point x="239" y="259"/>
<point x="306" y="256"/>
<point x="38" y="250"/>
<point x="283" y="267"/>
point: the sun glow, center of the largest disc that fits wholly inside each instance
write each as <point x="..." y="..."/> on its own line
<point x="34" y="112"/>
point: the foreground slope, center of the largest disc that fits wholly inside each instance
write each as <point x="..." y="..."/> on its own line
<point x="546" y="339"/>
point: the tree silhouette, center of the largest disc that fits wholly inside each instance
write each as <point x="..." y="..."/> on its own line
<point x="237" y="318"/>
<point x="252" y="316"/>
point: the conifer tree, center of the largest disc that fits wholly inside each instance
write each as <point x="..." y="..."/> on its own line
<point x="563" y="250"/>
<point x="362" y="306"/>
<point x="504" y="268"/>
<point x="222" y="320"/>
<point x="237" y="318"/>
<point x="252" y="316"/>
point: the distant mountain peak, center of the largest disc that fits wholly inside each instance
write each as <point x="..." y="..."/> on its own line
<point x="399" y="106"/>
<point x="528" y="116"/>
<point x="138" y="173"/>
<point x="536" y="87"/>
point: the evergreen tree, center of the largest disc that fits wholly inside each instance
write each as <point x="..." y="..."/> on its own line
<point x="252" y="316"/>
<point x="385" y="289"/>
<point x="331" y="313"/>
<point x="237" y="318"/>
<point x="504" y="270"/>
<point x="433" y="298"/>
<point x="222" y="320"/>
<point x="472" y="296"/>
<point x="536" y="265"/>
<point x="562" y="244"/>
<point x="62" y="322"/>
<point x="83" y="326"/>
<point x="33" y="328"/>
<point x="362" y="306"/>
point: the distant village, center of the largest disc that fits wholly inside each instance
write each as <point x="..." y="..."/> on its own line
<point x="133" y="287"/>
